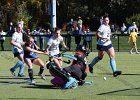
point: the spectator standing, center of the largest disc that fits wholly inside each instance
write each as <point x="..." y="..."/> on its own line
<point x="2" y="38"/>
<point x="11" y="29"/>
<point x="113" y="28"/>
<point x="48" y="33"/>
<point x="88" y="39"/>
<point x="133" y="39"/>
<point x="101" y="20"/>
<point x="80" y="23"/>
<point x="69" y="40"/>
<point x="77" y="34"/>
<point x="35" y="32"/>
<point x="41" y="39"/>
<point x="71" y="25"/>
<point x="132" y="26"/>
<point x="123" y="28"/>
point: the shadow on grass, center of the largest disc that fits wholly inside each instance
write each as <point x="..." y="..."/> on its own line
<point x="128" y="92"/>
<point x="121" y="74"/>
<point x="2" y="83"/>
<point x="33" y="99"/>
<point x="16" y="77"/>
<point x="38" y="86"/>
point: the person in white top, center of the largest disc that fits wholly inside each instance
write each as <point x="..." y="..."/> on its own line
<point x="104" y="44"/>
<point x="53" y="46"/>
<point x="101" y="20"/>
<point x="17" y="42"/>
<point x="132" y="26"/>
<point x="80" y="23"/>
<point x="123" y="28"/>
<point x="2" y="38"/>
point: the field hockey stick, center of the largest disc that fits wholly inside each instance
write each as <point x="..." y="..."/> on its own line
<point x="67" y="62"/>
<point x="69" y="56"/>
<point x="88" y="83"/>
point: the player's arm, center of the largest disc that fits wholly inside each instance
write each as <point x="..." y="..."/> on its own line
<point x="98" y="34"/>
<point x="32" y="50"/>
<point x="37" y="48"/>
<point x="63" y="43"/>
<point x="47" y="49"/>
<point x="12" y="42"/>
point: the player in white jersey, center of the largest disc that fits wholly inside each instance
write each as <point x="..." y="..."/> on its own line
<point x="53" y="46"/>
<point x="17" y="42"/>
<point x="104" y="44"/>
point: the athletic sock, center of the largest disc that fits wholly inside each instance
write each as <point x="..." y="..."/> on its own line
<point x="16" y="66"/>
<point x="22" y="66"/>
<point x="113" y="64"/>
<point x="41" y="70"/>
<point x="30" y="71"/>
<point x="94" y="61"/>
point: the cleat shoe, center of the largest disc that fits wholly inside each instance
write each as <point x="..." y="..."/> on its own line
<point x="130" y="52"/>
<point x="90" y="68"/>
<point x="116" y="73"/>
<point x="137" y="52"/>
<point x="21" y="75"/>
<point x="12" y="72"/>
<point x="42" y="76"/>
<point x="32" y="82"/>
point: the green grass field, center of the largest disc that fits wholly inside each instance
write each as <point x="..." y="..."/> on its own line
<point x="123" y="87"/>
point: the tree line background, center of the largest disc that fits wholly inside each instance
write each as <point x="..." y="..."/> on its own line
<point x="35" y="12"/>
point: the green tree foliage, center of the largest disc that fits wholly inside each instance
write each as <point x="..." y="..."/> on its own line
<point x="35" y="12"/>
<point x="134" y="18"/>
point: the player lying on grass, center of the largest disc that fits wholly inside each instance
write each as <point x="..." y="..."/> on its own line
<point x="76" y="72"/>
<point x="30" y="56"/>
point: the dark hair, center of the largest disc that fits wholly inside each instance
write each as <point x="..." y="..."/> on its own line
<point x="105" y="16"/>
<point x="27" y="37"/>
<point x="56" y="29"/>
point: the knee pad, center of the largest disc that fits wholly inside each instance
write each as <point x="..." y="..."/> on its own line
<point x="55" y="71"/>
<point x="58" y="82"/>
<point x="72" y="84"/>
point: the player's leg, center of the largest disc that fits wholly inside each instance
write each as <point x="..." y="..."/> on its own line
<point x="57" y="62"/>
<point x="95" y="60"/>
<point x="18" y="64"/>
<point x="40" y="63"/>
<point x="22" y="65"/>
<point x="13" y="69"/>
<point x="30" y="70"/>
<point x="131" y="51"/>
<point x="111" y="53"/>
<point x="135" y="46"/>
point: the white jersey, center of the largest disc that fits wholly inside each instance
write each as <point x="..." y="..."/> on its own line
<point x="2" y="37"/>
<point x="54" y="43"/>
<point x="105" y="32"/>
<point x="16" y="37"/>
